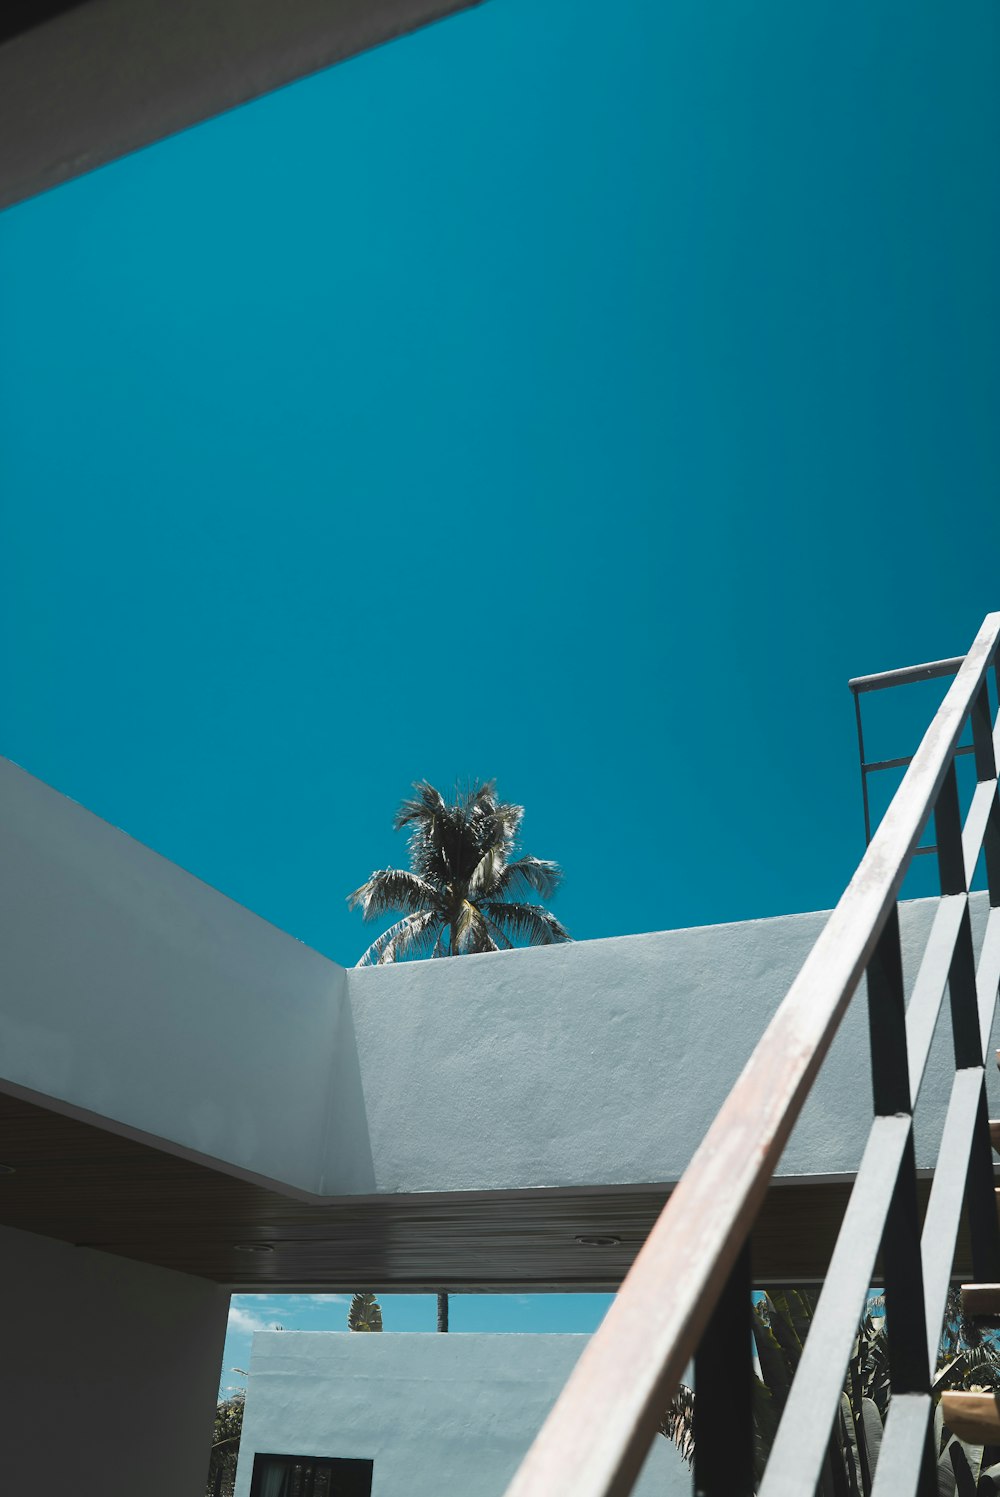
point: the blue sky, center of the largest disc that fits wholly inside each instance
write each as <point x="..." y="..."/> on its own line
<point x="568" y="394"/>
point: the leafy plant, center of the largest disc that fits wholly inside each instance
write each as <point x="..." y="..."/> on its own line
<point x="365" y="1313"/>
<point x="225" y="1445"/>
<point x="781" y="1321"/>
<point x="464" y="891"/>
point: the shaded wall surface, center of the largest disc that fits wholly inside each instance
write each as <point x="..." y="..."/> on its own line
<point x="109" y="1372"/>
<point x="136" y="993"/>
<point x="108" y="76"/>
<point x="138" y="997"/>
<point x="436" y="1414"/>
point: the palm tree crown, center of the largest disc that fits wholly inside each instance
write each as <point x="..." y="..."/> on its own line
<point x="465" y="890"/>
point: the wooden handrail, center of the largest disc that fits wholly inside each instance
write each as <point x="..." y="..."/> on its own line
<point x="599" y="1432"/>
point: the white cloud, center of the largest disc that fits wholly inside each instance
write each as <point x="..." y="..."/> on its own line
<point x="288" y="1304"/>
<point x="245" y="1321"/>
<point x="262" y="1312"/>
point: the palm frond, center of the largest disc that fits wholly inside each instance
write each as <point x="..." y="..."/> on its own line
<point x="509" y="818"/>
<point x="391" y="889"/>
<point x="488" y="871"/>
<point x="678" y="1422"/>
<point x="481" y="796"/>
<point x="408" y="937"/>
<point x="527" y="922"/>
<point x="527" y="875"/>
<point x="427" y="815"/>
<point x="442" y="841"/>
<point x="427" y="804"/>
<point x="504" y="943"/>
<point x="495" y="823"/>
<point x="470" y="931"/>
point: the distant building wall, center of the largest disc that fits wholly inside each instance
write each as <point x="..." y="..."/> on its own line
<point x="109" y="1372"/>
<point x="440" y="1416"/>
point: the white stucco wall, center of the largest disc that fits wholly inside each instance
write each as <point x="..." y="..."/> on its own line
<point x="139" y="997"/>
<point x="437" y="1414"/>
<point x="109" y="1372"/>
<point x="135" y="993"/>
<point x="603" y="1062"/>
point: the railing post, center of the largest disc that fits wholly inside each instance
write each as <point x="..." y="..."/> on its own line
<point x="986" y="769"/>
<point x="980" y="1198"/>
<point x="901" y="1262"/>
<point x="909" y="1370"/>
<point x="948" y="835"/>
<point x="723" y="1389"/>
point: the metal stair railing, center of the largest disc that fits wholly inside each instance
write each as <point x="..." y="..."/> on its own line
<point x="688" y="1294"/>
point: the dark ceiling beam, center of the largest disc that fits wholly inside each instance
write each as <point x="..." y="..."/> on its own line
<point x="83" y="84"/>
<point x="70" y="1180"/>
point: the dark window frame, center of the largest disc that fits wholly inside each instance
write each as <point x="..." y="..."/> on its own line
<point x="353" y="1477"/>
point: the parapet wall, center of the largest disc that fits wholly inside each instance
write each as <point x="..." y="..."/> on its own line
<point x="140" y="998"/>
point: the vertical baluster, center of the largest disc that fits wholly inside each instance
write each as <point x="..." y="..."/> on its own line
<point x="948" y="835"/>
<point x="887" y="1023"/>
<point x="982" y="733"/>
<point x="723" y="1387"/>
<point x="986" y="769"/>
<point x="909" y="1371"/>
<point x="980" y="1199"/>
<point x="927" y="1482"/>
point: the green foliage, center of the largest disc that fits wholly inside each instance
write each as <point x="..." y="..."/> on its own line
<point x="225" y="1446"/>
<point x="365" y="1313"/>
<point x="464" y="891"/>
<point x="781" y="1320"/>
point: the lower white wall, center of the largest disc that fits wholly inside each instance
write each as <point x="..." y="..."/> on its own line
<point x="437" y="1414"/>
<point x="109" y="1372"/>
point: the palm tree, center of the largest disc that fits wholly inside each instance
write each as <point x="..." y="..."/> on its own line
<point x="365" y="1313"/>
<point x="464" y="891"/>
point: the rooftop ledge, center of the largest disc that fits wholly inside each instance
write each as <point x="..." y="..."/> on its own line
<point x="147" y="1005"/>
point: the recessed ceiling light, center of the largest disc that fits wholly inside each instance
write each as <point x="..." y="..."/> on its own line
<point x="599" y="1241"/>
<point x="8" y="1169"/>
<point x="252" y="1247"/>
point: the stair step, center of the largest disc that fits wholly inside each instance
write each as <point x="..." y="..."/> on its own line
<point x="981" y="1299"/>
<point x="973" y="1417"/>
<point x="995" y="1134"/>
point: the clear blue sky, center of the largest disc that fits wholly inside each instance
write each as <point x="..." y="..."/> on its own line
<point x="573" y="394"/>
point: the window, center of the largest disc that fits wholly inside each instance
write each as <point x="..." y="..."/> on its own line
<point x="309" y="1476"/>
